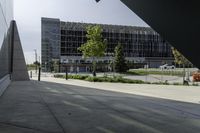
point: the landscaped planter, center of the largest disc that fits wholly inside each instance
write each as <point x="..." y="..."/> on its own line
<point x="196" y="76"/>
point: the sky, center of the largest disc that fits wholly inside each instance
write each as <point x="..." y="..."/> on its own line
<point x="28" y="13"/>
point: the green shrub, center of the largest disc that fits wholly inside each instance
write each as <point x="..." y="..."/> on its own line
<point x="195" y="84"/>
<point x="177" y="84"/>
<point x="105" y="75"/>
<point x="59" y="76"/>
<point x="92" y="79"/>
<point x="134" y="81"/>
<point x="81" y="77"/>
<point x="147" y="82"/>
<point x="157" y="83"/>
<point x="116" y="79"/>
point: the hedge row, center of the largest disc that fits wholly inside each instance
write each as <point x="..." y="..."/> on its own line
<point x="115" y="79"/>
<point x="81" y="77"/>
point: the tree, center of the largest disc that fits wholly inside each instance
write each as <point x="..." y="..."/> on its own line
<point x="95" y="46"/>
<point x="180" y="59"/>
<point x="120" y="64"/>
<point x="36" y="63"/>
<point x="30" y="66"/>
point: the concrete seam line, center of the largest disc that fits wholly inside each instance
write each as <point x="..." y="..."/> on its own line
<point x="49" y="109"/>
<point x="24" y="127"/>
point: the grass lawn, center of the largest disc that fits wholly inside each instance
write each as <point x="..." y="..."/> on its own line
<point x="155" y="72"/>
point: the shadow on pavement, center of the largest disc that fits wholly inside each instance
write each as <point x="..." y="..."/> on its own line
<point x="45" y="107"/>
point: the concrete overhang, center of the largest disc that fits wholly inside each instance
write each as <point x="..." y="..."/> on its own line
<point x="177" y="21"/>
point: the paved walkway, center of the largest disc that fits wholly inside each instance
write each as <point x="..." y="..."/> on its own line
<point x="179" y="93"/>
<point x="47" y="107"/>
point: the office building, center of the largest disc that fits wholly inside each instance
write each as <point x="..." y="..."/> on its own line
<point x="60" y="40"/>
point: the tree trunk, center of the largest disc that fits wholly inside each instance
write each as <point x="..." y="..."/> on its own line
<point x="93" y="67"/>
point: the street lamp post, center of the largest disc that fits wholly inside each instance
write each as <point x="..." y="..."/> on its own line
<point x="39" y="73"/>
<point x="35" y="60"/>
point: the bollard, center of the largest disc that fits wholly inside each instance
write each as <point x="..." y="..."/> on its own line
<point x="31" y="74"/>
<point x="94" y="74"/>
<point x="66" y="74"/>
<point x="39" y="74"/>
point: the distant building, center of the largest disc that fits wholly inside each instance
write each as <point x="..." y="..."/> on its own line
<point x="60" y="40"/>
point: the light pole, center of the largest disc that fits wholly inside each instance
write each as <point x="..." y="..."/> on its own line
<point x="39" y="74"/>
<point x="35" y="60"/>
<point x="39" y="60"/>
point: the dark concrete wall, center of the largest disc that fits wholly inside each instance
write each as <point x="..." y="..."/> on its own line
<point x="5" y="57"/>
<point x="177" y="21"/>
<point x="4" y="83"/>
<point x="19" y="69"/>
<point x="12" y="57"/>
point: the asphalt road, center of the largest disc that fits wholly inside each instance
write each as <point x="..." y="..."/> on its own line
<point x="44" y="107"/>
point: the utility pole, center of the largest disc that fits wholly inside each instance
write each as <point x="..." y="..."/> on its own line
<point x="35" y="60"/>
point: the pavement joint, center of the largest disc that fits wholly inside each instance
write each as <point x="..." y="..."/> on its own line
<point x="50" y="110"/>
<point x="176" y="109"/>
<point x="25" y="127"/>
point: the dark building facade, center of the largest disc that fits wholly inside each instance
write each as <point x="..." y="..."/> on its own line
<point x="60" y="41"/>
<point x="6" y="15"/>
<point x="12" y="63"/>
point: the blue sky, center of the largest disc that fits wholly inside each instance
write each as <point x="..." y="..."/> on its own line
<point x="28" y="15"/>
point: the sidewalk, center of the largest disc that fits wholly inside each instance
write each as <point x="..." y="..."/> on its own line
<point x="52" y="107"/>
<point x="179" y="93"/>
<point x="22" y="110"/>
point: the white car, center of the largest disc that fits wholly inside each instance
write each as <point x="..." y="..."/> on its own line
<point x="166" y="66"/>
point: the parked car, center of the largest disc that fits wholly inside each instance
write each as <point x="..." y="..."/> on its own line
<point x="166" y="66"/>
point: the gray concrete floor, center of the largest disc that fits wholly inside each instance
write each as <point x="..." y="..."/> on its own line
<point x="45" y="107"/>
<point x="171" y="92"/>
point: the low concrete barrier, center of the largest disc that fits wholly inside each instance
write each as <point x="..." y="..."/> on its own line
<point x="4" y="82"/>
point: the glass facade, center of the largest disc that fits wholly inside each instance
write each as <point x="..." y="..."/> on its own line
<point x="61" y="40"/>
<point x="6" y="15"/>
<point x="137" y="41"/>
<point x="50" y="40"/>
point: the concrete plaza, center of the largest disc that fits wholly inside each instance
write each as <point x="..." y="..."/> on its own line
<point x="178" y="93"/>
<point x="50" y="107"/>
